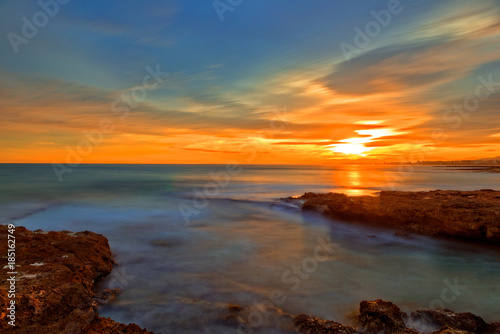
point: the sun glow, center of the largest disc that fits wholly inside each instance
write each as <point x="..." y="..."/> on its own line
<point x="352" y="146"/>
<point x="355" y="146"/>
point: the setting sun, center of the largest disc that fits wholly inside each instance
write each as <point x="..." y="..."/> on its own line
<point x="351" y="149"/>
<point x="355" y="146"/>
<point x="352" y="146"/>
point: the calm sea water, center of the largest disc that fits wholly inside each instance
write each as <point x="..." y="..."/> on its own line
<point x="242" y="243"/>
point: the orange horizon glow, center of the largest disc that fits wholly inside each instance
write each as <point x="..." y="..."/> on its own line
<point x="395" y="101"/>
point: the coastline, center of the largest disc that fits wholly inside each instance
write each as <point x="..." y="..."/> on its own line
<point x="468" y="215"/>
<point x="55" y="275"/>
<point x="58" y="270"/>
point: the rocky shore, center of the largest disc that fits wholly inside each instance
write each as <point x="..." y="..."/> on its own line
<point x="473" y="215"/>
<point x="373" y="317"/>
<point x="55" y="274"/>
<point x="383" y="317"/>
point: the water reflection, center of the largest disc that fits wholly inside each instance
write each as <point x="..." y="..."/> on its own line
<point x="359" y="179"/>
<point x="238" y="248"/>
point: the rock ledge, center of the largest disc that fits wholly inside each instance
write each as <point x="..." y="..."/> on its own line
<point x="55" y="275"/>
<point x="473" y="215"/>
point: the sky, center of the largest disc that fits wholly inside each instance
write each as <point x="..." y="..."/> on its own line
<point x="249" y="81"/>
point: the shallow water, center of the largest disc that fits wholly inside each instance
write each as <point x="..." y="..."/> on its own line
<point x="244" y="242"/>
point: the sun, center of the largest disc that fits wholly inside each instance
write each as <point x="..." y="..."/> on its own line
<point x="355" y="146"/>
<point x="355" y="149"/>
<point x="352" y="146"/>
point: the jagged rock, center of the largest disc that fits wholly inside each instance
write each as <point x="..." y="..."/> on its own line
<point x="55" y="275"/>
<point x="450" y="330"/>
<point x="108" y="326"/>
<point x="443" y="317"/>
<point x="466" y="214"/>
<point x="106" y="296"/>
<point x="380" y="316"/>
<point x="493" y="328"/>
<point x="306" y="324"/>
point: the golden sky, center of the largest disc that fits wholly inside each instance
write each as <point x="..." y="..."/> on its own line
<point x="267" y="85"/>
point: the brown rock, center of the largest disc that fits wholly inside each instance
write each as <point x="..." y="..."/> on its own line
<point x="106" y="296"/>
<point x="493" y="328"/>
<point x="108" y="326"/>
<point x="466" y="214"/>
<point x="55" y="275"/>
<point x="443" y="317"/>
<point x="450" y="330"/>
<point x="306" y="324"/>
<point x="380" y="316"/>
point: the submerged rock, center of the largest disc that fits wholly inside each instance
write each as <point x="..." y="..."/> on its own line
<point x="450" y="330"/>
<point x="306" y="324"/>
<point x="467" y="214"/>
<point x="444" y="317"/>
<point x="56" y="272"/>
<point x="55" y="275"/>
<point x="493" y="328"/>
<point x="383" y="317"/>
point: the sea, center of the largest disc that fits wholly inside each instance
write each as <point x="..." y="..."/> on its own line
<point x="191" y="240"/>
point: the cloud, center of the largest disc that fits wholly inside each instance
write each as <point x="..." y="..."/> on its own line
<point x="210" y="151"/>
<point x="415" y="72"/>
<point x="454" y="45"/>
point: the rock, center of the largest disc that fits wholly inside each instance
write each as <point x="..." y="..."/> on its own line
<point x="443" y="317"/>
<point x="493" y="328"/>
<point x="108" y="326"/>
<point x="306" y="324"/>
<point x="235" y="308"/>
<point x="450" y="330"/>
<point x="55" y="275"/>
<point x="380" y="316"/>
<point x="105" y="297"/>
<point x="465" y="214"/>
<point x="234" y="318"/>
<point x="244" y="319"/>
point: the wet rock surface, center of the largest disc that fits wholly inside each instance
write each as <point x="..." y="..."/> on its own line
<point x="307" y="324"/>
<point x="462" y="321"/>
<point x="473" y="215"/>
<point x="56" y="272"/>
<point x="450" y="330"/>
<point x="380" y="316"/>
<point x="55" y="275"/>
<point x="383" y="317"/>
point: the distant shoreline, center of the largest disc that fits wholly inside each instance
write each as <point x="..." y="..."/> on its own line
<point x="490" y="169"/>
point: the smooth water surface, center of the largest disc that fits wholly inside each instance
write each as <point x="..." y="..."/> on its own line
<point x="183" y="258"/>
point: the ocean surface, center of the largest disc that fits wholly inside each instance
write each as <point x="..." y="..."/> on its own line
<point x="192" y="239"/>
